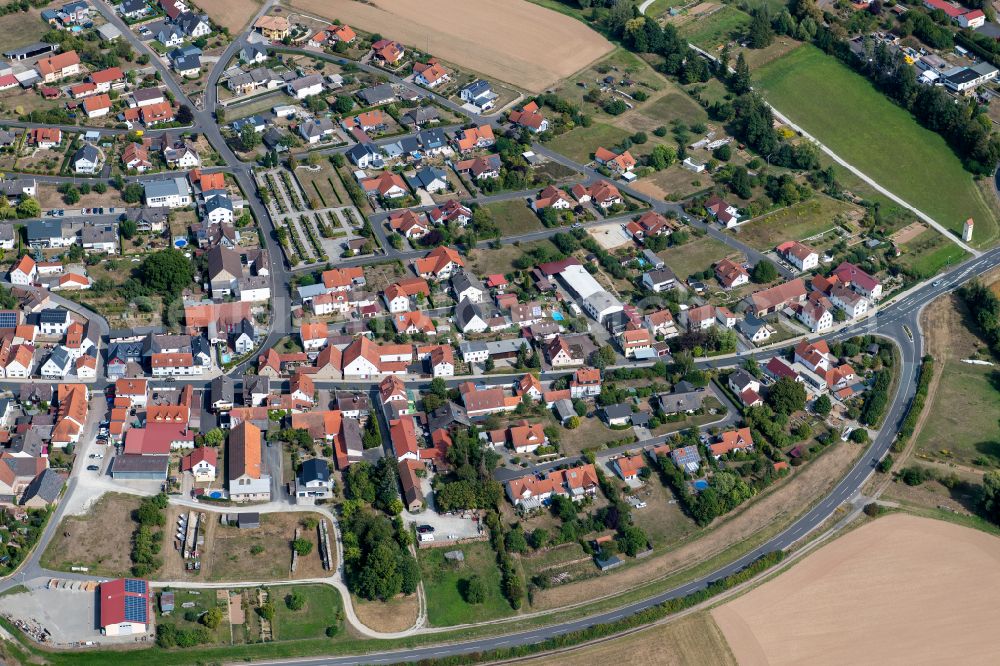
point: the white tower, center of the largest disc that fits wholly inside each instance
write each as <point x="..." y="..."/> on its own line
<point x="967" y="230"/>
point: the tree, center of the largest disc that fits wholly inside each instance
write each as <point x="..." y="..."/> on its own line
<point x="822" y="405"/>
<point x="723" y="153"/>
<point x="184" y="115"/>
<point x="786" y="396"/>
<point x="128" y="229"/>
<point x="475" y="590"/>
<point x="631" y="540"/>
<point x="266" y="611"/>
<point x="295" y="601"/>
<point x="380" y="577"/>
<point x="28" y="207"/>
<point x="603" y="357"/>
<point x="760" y="33"/>
<point x="515" y="541"/>
<point x="991" y="496"/>
<point x="249" y="139"/>
<point x="166" y="272"/>
<point x="538" y="538"/>
<point x="344" y="104"/>
<point x="212" y="617"/>
<point x="739" y="81"/>
<point x="71" y="195"/>
<point x="764" y="272"/>
<point x="133" y="193"/>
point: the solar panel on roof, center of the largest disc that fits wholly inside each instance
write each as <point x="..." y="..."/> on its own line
<point x="136" y="586"/>
<point x="8" y="319"/>
<point x="135" y="609"/>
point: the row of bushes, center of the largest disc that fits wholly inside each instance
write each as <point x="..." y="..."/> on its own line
<point x="917" y="406"/>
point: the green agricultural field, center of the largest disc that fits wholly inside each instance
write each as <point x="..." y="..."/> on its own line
<point x="961" y="421"/>
<point x="580" y="143"/>
<point x="799" y="222"/>
<point x="444" y="583"/>
<point x="930" y="252"/>
<point x="695" y="256"/>
<point x="845" y="112"/>
<point x="514" y="218"/>
<point x="718" y="28"/>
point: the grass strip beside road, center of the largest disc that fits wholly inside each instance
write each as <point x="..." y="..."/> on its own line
<point x="844" y="111"/>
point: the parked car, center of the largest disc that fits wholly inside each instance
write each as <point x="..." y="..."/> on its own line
<point x="425" y="529"/>
<point x="93" y="468"/>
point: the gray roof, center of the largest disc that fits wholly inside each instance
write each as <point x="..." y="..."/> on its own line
<point x="133" y="462"/>
<point x="217" y="202"/>
<point x="99" y="233"/>
<point x="60" y="356"/>
<point x="462" y="281"/>
<point x="447" y="414"/>
<point x="421" y="114"/>
<point x="165" y="188"/>
<point x="305" y="82"/>
<point x="379" y="94"/>
<point x="39" y="230"/>
<point x="661" y="275"/>
<point x="222" y="259"/>
<point x="146" y="94"/>
<point x="750" y="325"/>
<point x="741" y="379"/>
<point x="466" y="311"/>
<point x="53" y="316"/>
<point x="188" y="21"/>
<point x="250" y="51"/>
<point x="426" y="176"/>
<point x="46" y="486"/>
<point x="311" y="290"/>
<point x="617" y="411"/>
<point x="314" y="469"/>
<point x="222" y="389"/>
<point x="672" y="403"/>
<point x="564" y="408"/>
<point x="432" y="138"/>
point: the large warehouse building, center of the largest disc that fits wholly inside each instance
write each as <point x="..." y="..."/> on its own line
<point x="598" y="303"/>
<point x="124" y="606"/>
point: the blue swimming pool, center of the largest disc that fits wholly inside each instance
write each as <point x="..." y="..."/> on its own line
<point x="557" y="316"/>
<point x="700" y="484"/>
<point x="215" y="494"/>
<point x="180" y="243"/>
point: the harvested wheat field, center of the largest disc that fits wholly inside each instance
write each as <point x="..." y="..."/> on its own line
<point x="232" y="14"/>
<point x="899" y="590"/>
<point x="511" y="40"/>
<point x="694" y="640"/>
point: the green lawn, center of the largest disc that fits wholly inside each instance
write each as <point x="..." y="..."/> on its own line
<point x="580" y="143"/>
<point x="930" y="252"/>
<point x="695" y="256"/>
<point x="675" y="105"/>
<point x="844" y="111"/>
<point x="962" y="416"/>
<point x="798" y="222"/>
<point x="514" y="217"/>
<point x="443" y="581"/>
<point x="322" y="610"/>
<point x="718" y="28"/>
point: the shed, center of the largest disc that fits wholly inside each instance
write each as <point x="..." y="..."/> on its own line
<point x="248" y="521"/>
<point x="609" y="563"/>
<point x="166" y="602"/>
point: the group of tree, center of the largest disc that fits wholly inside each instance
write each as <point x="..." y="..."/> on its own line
<point x="148" y="538"/>
<point x="376" y="556"/>
<point x="985" y="308"/>
<point x="375" y="484"/>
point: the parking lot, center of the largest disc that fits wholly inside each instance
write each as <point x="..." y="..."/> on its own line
<point x="447" y="527"/>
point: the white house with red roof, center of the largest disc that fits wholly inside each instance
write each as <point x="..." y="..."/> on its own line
<point x="24" y="272"/>
<point x="858" y="280"/>
<point x="724" y="213"/>
<point x="202" y="463"/>
<point x="799" y="255"/>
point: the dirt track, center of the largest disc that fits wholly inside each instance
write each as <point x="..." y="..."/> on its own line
<point x="899" y="590"/>
<point x="512" y="40"/>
